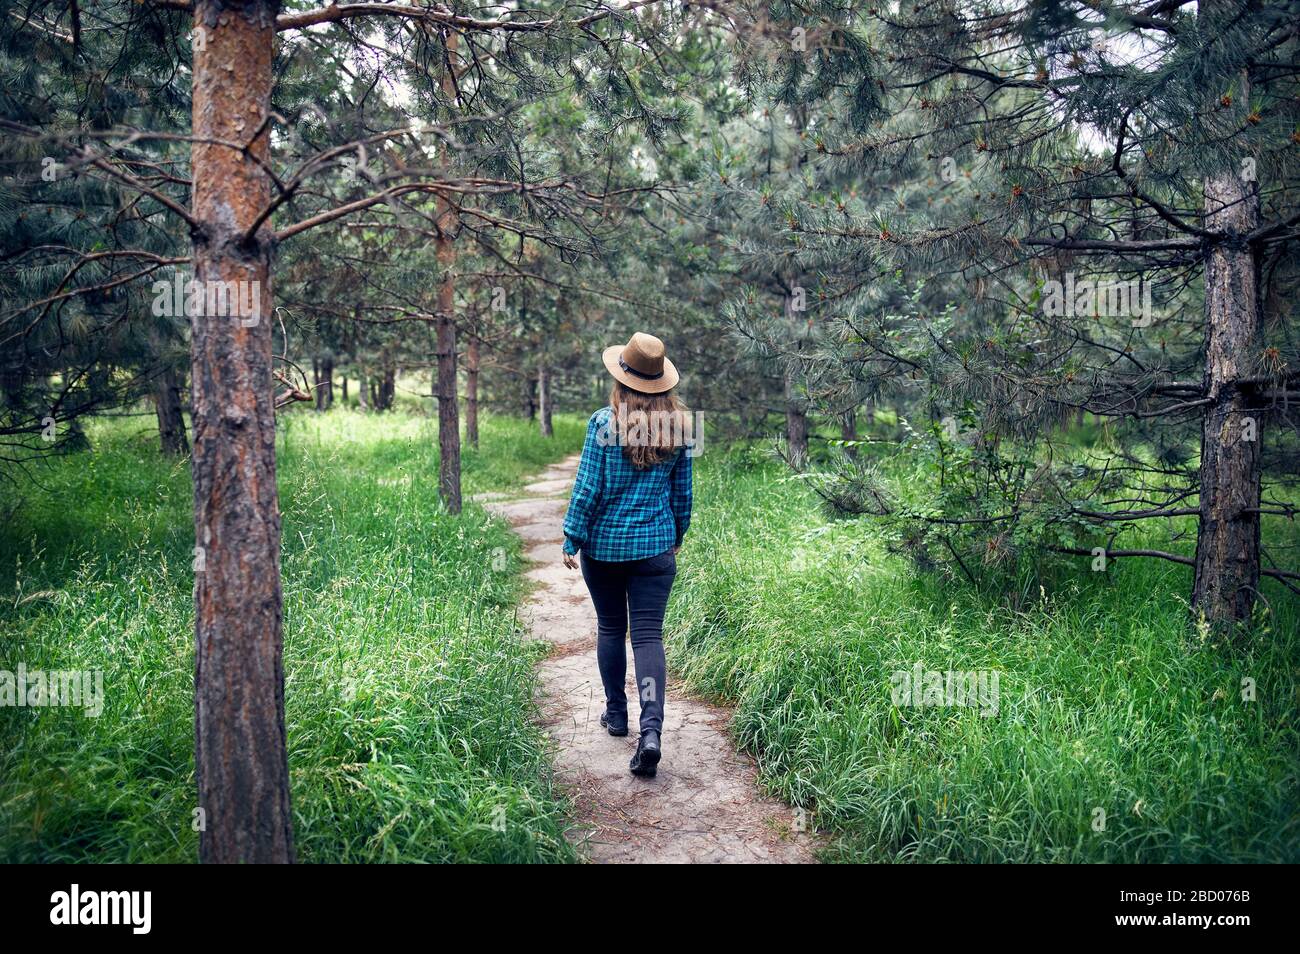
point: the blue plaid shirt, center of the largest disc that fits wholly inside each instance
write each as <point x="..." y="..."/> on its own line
<point x="618" y="513"/>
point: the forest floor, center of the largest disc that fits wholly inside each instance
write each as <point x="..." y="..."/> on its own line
<point x="705" y="804"/>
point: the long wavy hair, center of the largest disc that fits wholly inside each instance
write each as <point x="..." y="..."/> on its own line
<point x="649" y="427"/>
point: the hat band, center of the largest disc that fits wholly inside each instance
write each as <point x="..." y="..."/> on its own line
<point x="640" y="374"/>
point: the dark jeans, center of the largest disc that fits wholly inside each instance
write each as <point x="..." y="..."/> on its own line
<point x="635" y="589"/>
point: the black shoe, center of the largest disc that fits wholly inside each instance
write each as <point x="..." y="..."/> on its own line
<point x="646" y="760"/>
<point x="614" y="724"/>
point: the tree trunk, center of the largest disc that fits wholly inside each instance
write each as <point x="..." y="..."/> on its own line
<point x="849" y="430"/>
<point x="345" y="390"/>
<point x="796" y="423"/>
<point x="363" y="390"/>
<point x="1227" y="542"/>
<point x="530" y="400"/>
<point x="387" y="384"/>
<point x="325" y="383"/>
<point x="171" y="420"/>
<point x="544" y="399"/>
<point x="448" y="414"/>
<point x="240" y="760"/>
<point x="471" y="390"/>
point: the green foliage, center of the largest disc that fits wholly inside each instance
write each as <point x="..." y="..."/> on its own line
<point x="903" y="262"/>
<point x="409" y="686"/>
<point x="78" y="253"/>
<point x="996" y="513"/>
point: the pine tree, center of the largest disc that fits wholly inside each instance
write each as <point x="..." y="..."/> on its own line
<point x="1094" y="162"/>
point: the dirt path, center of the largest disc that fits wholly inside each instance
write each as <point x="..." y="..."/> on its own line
<point x="704" y="805"/>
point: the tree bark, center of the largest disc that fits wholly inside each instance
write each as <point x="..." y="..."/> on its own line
<point x="363" y="390"/>
<point x="325" y="383"/>
<point x="849" y="430"/>
<point x="387" y="384"/>
<point x="240" y="756"/>
<point x="171" y="420"/>
<point x="796" y="422"/>
<point x="471" y="390"/>
<point x="544" y="399"/>
<point x="1227" y="542"/>
<point x="530" y="400"/>
<point x="448" y="414"/>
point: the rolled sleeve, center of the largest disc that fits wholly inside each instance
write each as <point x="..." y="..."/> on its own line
<point x="586" y="490"/>
<point x="679" y="494"/>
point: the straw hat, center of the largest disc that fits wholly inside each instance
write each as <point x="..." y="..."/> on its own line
<point x="641" y="365"/>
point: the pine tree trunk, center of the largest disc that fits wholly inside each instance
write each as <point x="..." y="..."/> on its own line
<point x="796" y="423"/>
<point x="544" y="399"/>
<point x="796" y="417"/>
<point x="345" y="390"/>
<point x="240" y="760"/>
<point x="849" y="431"/>
<point x="363" y="390"/>
<point x="171" y="420"/>
<point x="530" y="401"/>
<point x="471" y="391"/>
<point x="325" y="384"/>
<point x="387" y="384"/>
<point x="448" y="414"/>
<point x="1227" y="542"/>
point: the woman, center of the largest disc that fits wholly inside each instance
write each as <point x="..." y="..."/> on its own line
<point x="629" y="511"/>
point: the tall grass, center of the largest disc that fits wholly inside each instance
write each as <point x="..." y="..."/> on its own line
<point x="1121" y="733"/>
<point x="409" y="685"/>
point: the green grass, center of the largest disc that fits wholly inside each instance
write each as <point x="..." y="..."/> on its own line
<point x="1108" y="699"/>
<point x="408" y="680"/>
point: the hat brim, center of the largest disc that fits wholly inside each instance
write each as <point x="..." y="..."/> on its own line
<point x="657" y="386"/>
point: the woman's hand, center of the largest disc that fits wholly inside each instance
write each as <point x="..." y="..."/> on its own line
<point x="571" y="561"/>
